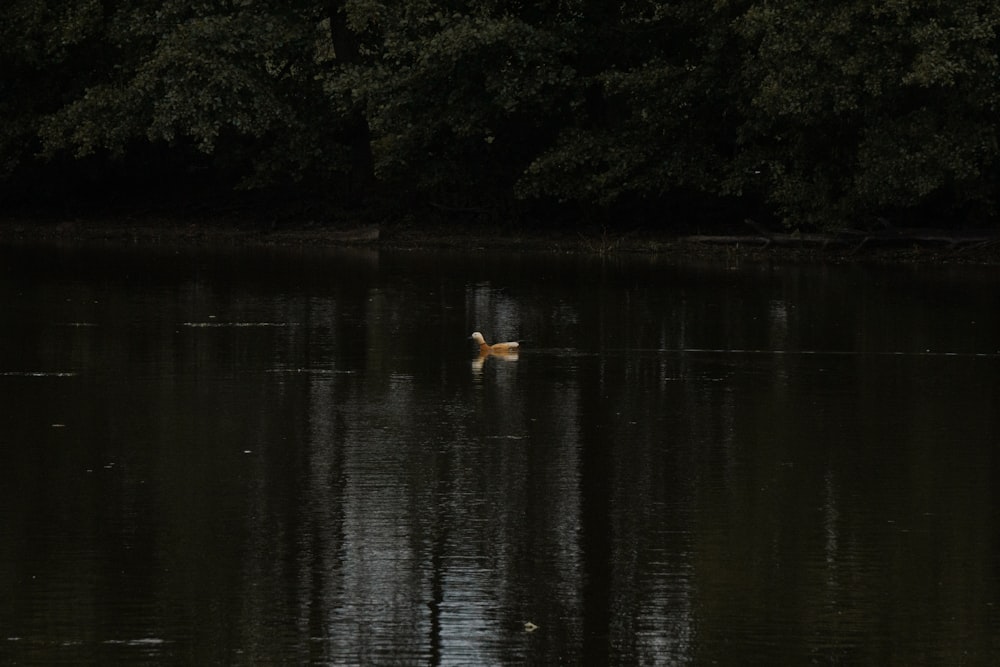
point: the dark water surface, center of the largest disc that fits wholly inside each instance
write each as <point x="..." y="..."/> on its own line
<point x="278" y="456"/>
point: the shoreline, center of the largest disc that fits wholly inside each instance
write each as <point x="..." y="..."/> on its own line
<point x="131" y="232"/>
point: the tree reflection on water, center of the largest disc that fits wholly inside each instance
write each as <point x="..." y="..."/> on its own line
<point x="682" y="465"/>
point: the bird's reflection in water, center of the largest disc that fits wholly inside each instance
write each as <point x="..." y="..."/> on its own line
<point x="479" y="363"/>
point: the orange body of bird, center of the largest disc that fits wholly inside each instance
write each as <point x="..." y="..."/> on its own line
<point x="495" y="348"/>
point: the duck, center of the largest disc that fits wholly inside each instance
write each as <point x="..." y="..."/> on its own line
<point x="495" y="348"/>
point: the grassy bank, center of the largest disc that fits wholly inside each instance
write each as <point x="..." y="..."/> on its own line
<point x="414" y="235"/>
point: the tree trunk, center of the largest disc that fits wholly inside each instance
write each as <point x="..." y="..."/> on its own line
<point x="358" y="135"/>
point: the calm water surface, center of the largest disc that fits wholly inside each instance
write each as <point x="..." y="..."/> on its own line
<point x="277" y="456"/>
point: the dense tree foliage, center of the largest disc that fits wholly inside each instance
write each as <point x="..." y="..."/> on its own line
<point x="816" y="115"/>
<point x="855" y="108"/>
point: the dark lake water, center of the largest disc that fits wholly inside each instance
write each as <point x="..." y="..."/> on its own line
<point x="283" y="456"/>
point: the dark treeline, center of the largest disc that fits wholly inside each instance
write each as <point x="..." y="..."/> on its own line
<point x="811" y="114"/>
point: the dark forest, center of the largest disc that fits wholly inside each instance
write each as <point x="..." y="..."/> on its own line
<point x="804" y="115"/>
